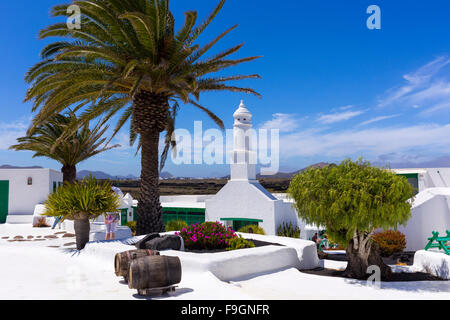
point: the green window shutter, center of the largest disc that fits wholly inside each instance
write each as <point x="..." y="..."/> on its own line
<point x="239" y="223"/>
<point x="4" y="200"/>
<point x="123" y="216"/>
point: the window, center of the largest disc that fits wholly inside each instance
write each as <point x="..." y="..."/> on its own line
<point x="238" y="223"/>
<point x="413" y="180"/>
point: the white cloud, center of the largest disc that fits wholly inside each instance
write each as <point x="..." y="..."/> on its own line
<point x="340" y="116"/>
<point x="9" y="132"/>
<point x="123" y="139"/>
<point x="369" y="143"/>
<point x="427" y="87"/>
<point x="377" y="119"/>
<point x="282" y="121"/>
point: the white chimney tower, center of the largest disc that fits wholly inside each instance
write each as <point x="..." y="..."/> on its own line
<point x="243" y="200"/>
<point x="243" y="158"/>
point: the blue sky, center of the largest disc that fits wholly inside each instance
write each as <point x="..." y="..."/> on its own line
<point x="334" y="88"/>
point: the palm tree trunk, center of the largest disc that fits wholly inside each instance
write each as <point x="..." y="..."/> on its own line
<point x="150" y="117"/>
<point x="149" y="209"/>
<point x="69" y="173"/>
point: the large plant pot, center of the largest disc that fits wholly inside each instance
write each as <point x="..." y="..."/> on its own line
<point x="82" y="230"/>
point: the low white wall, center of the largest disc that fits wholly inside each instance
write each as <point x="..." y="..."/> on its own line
<point x="436" y="263"/>
<point x="231" y="265"/>
<point x="238" y="264"/>
<point x="306" y="250"/>
<point x="186" y="198"/>
<point x="39" y="211"/>
<point x="98" y="231"/>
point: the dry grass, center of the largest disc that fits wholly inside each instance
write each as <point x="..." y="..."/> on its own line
<point x="198" y="186"/>
<point x="41" y="223"/>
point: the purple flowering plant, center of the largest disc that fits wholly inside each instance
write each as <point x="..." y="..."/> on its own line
<point x="207" y="235"/>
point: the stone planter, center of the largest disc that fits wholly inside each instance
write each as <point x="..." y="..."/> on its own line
<point x="82" y="227"/>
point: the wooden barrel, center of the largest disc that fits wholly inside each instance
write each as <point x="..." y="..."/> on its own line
<point x="123" y="260"/>
<point x="154" y="272"/>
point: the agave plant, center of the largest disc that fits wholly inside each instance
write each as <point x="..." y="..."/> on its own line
<point x="288" y="230"/>
<point x="50" y="140"/>
<point x="81" y="201"/>
<point x="128" y="59"/>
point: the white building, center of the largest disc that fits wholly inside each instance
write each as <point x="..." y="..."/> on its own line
<point x="430" y="207"/>
<point x="243" y="200"/>
<point x="22" y="189"/>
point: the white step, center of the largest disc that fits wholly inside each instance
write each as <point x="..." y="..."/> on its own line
<point x="20" y="219"/>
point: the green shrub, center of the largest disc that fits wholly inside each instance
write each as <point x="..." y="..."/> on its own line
<point x="252" y="229"/>
<point x="390" y="242"/>
<point x="288" y="230"/>
<point x="207" y="235"/>
<point x="240" y="243"/>
<point x="86" y="199"/>
<point x="132" y="226"/>
<point x="176" y="225"/>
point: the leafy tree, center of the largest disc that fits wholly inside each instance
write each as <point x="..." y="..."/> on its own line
<point x="46" y="141"/>
<point x="128" y="59"/>
<point x="352" y="200"/>
<point x="80" y="202"/>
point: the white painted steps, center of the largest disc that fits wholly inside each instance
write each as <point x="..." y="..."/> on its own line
<point x="19" y="219"/>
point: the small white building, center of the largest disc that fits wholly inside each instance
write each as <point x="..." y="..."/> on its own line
<point x="430" y="207"/>
<point x="243" y="200"/>
<point x="22" y="189"/>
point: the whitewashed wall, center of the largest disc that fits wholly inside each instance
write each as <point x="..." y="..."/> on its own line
<point x="249" y="200"/>
<point x="430" y="212"/>
<point x="24" y="197"/>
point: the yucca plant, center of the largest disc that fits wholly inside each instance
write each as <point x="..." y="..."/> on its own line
<point x="49" y="140"/>
<point x="288" y="230"/>
<point x="82" y="201"/>
<point x="128" y="59"/>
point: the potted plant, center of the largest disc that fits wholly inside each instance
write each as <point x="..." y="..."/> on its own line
<point x="80" y="202"/>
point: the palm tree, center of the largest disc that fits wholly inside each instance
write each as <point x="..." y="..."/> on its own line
<point x="46" y="141"/>
<point x="128" y="59"/>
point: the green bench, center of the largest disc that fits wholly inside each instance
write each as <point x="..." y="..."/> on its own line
<point x="439" y="242"/>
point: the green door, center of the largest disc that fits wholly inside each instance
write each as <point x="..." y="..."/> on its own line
<point x="4" y="198"/>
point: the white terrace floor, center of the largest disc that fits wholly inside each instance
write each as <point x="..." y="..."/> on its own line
<point x="34" y="270"/>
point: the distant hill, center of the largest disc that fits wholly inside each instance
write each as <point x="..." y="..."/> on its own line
<point x="286" y="175"/>
<point x="316" y="165"/>
<point x="7" y="166"/>
<point x="103" y="175"/>
<point x="166" y="175"/>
